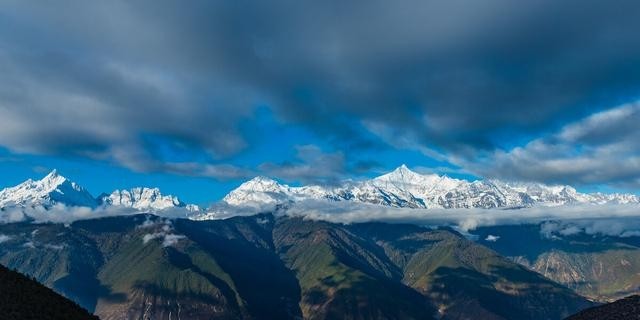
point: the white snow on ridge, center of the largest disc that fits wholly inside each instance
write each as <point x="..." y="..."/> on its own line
<point x="144" y="199"/>
<point x="403" y="188"/>
<point x="56" y="190"/>
<point x="52" y="189"/>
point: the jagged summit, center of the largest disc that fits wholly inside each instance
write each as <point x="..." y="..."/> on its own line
<point x="261" y="183"/>
<point x="401" y="170"/>
<point x="54" y="189"/>
<point x="259" y="190"/>
<point x="53" y="176"/>
<point x="143" y="198"/>
<point x="402" y="174"/>
<point x="403" y="187"/>
<point x="50" y="190"/>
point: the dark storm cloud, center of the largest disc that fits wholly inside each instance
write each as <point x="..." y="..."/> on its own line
<point x="445" y="77"/>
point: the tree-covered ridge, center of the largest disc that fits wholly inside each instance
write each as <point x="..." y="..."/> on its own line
<point x="26" y="299"/>
<point x="624" y="309"/>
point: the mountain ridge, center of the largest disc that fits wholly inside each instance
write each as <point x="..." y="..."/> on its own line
<point x="624" y="309"/>
<point x="277" y="267"/>
<point x="400" y="188"/>
<point x="48" y="191"/>
<point x="404" y="188"/>
<point x="55" y="189"/>
<point x="144" y="198"/>
<point x="24" y="298"/>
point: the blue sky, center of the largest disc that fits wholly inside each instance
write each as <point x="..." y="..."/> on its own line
<point x="196" y="98"/>
<point x="270" y="142"/>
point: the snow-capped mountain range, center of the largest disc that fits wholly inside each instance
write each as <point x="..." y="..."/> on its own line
<point x="408" y="189"/>
<point x="55" y="189"/>
<point x="400" y="188"/>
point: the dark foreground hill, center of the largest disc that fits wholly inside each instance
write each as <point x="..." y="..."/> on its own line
<point x="623" y="309"/>
<point x="266" y="267"/>
<point x="25" y="299"/>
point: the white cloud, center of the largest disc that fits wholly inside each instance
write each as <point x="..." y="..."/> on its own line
<point x="168" y="239"/>
<point x="171" y="239"/>
<point x="613" y="219"/>
<point x="60" y="213"/>
<point x="610" y="219"/>
<point x="492" y="238"/>
<point x="165" y="233"/>
<point x="4" y="238"/>
<point x="605" y="225"/>
<point x="148" y="223"/>
<point x="600" y="149"/>
<point x="151" y="236"/>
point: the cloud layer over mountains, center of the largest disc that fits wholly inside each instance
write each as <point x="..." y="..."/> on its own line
<point x="613" y="219"/>
<point x="460" y="79"/>
<point x="61" y="213"/>
<point x="400" y="196"/>
<point x="467" y="219"/>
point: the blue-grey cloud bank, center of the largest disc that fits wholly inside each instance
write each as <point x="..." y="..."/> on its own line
<point x="537" y="90"/>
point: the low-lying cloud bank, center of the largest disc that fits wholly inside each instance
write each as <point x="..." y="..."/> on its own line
<point x="60" y="213"/>
<point x="466" y="219"/>
<point x="608" y="226"/>
<point x="610" y="219"/>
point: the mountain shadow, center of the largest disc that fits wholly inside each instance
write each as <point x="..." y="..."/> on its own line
<point x="25" y="299"/>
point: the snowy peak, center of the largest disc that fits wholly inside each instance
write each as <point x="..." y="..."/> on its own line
<point x="403" y="187"/>
<point x="144" y="199"/>
<point x="401" y="174"/>
<point x="50" y="190"/>
<point x="262" y="184"/>
<point x="403" y="177"/>
<point x="52" y="180"/>
<point x="56" y="189"/>
<point x="259" y="190"/>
